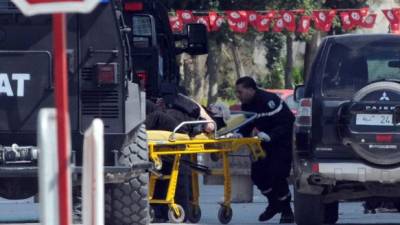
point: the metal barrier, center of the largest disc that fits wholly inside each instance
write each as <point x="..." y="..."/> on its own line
<point x="48" y="167"/>
<point x="93" y="178"/>
<point x="92" y="169"/>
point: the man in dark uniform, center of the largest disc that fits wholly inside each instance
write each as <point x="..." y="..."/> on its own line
<point x="274" y="124"/>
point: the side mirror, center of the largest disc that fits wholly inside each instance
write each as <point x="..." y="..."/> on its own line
<point x="299" y="91"/>
<point x="197" y="40"/>
<point x="143" y="31"/>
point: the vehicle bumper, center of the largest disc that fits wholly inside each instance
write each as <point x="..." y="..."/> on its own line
<point x="358" y="172"/>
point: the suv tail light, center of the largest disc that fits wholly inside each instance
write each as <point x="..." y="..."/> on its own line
<point x="384" y="138"/>
<point x="106" y="73"/>
<point x="304" y="113"/>
<point x="133" y="6"/>
<point x="142" y="75"/>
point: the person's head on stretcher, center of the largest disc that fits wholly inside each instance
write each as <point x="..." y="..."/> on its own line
<point x="168" y="112"/>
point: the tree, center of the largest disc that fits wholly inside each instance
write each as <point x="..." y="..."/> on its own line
<point x="279" y="65"/>
<point x="314" y="37"/>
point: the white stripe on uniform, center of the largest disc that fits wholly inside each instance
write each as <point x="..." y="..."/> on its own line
<point x="273" y="112"/>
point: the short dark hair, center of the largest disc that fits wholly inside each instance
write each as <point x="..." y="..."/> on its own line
<point x="247" y="82"/>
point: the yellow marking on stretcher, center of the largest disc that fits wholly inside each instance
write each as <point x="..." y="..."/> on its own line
<point x="195" y="147"/>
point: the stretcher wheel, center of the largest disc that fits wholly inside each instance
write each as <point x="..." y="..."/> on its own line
<point x="225" y="214"/>
<point x="152" y="214"/>
<point x="175" y="218"/>
<point x="194" y="214"/>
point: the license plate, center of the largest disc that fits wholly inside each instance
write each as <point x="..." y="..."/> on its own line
<point x="374" y="119"/>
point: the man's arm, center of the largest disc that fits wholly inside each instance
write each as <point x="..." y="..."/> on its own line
<point x="279" y="132"/>
<point x="246" y="129"/>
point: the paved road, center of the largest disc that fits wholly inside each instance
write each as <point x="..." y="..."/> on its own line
<point x="244" y="214"/>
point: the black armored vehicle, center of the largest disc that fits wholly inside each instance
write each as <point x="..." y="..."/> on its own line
<point x="347" y="130"/>
<point x="103" y="49"/>
<point x="154" y="51"/>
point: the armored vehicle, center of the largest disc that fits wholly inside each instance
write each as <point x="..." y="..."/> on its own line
<point x="103" y="83"/>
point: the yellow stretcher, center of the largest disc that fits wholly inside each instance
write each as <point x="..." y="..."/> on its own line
<point x="165" y="143"/>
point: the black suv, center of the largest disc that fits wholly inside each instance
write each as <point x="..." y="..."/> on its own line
<point x="347" y="133"/>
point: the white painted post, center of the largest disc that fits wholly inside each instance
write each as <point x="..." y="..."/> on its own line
<point x="93" y="176"/>
<point x="48" y="167"/>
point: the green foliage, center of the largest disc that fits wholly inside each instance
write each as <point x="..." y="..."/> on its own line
<point x="298" y="75"/>
<point x="226" y="89"/>
<point x="337" y="4"/>
<point x="275" y="80"/>
<point x="274" y="43"/>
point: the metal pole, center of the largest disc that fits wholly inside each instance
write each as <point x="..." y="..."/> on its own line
<point x="61" y="99"/>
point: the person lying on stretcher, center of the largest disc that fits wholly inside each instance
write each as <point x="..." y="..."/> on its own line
<point x="167" y="113"/>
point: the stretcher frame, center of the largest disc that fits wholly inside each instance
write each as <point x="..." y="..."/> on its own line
<point x="192" y="147"/>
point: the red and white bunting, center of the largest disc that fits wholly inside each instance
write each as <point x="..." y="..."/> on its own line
<point x="304" y="24"/>
<point x="393" y="16"/>
<point x="252" y="15"/>
<point x="356" y="17"/>
<point x="263" y="23"/>
<point x="278" y="25"/>
<point x="236" y="16"/>
<point x="242" y="26"/>
<point x="204" y="20"/>
<point x="271" y="14"/>
<point x="176" y="24"/>
<point x="323" y="19"/>
<point x="395" y="28"/>
<point x="289" y="20"/>
<point x="185" y="15"/>
<point x="369" y="21"/>
<point x="216" y="21"/>
<point x="390" y="15"/>
<point x="239" y="20"/>
<point x="347" y="23"/>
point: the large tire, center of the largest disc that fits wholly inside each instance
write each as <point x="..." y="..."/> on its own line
<point x="308" y="209"/>
<point x="331" y="213"/>
<point x="385" y="97"/>
<point x="127" y="203"/>
<point x="18" y="188"/>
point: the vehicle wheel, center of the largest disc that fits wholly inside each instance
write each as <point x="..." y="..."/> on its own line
<point x="331" y="213"/>
<point x="396" y="204"/>
<point x="308" y="209"/>
<point x="77" y="204"/>
<point x="225" y="214"/>
<point x="194" y="214"/>
<point x="18" y="188"/>
<point x="127" y="203"/>
<point x="176" y="218"/>
<point x="152" y="214"/>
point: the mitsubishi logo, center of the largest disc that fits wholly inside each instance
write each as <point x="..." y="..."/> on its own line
<point x="384" y="97"/>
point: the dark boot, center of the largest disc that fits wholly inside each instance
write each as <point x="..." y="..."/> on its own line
<point x="287" y="213"/>
<point x="271" y="210"/>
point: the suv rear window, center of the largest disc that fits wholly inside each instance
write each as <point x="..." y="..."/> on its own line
<point x="350" y="66"/>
